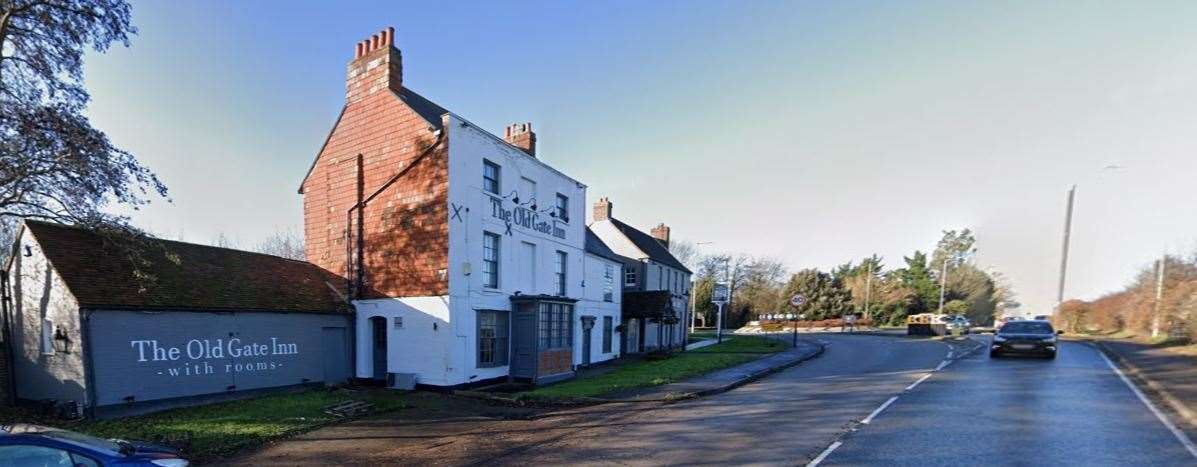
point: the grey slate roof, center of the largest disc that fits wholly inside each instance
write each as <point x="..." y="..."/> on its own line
<point x="427" y="109"/>
<point x="650" y="246"/>
<point x="595" y="246"/>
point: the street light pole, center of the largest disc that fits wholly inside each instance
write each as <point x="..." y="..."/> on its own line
<point x="1159" y="295"/>
<point x="943" y="282"/>
<point x="868" y="290"/>
<point x="1064" y="252"/>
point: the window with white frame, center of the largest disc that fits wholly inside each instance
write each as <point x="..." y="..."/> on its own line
<point x="609" y="283"/>
<point x="490" y="176"/>
<point x="560" y="272"/>
<point x="562" y="208"/>
<point x="629" y="277"/>
<point x="490" y="260"/>
<point x="492" y="338"/>
<point x="555" y="326"/>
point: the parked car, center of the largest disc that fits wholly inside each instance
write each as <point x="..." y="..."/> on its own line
<point x="957" y="322"/>
<point x="1030" y="337"/>
<point x="35" y="445"/>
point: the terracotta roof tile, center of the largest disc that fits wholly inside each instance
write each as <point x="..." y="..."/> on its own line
<point x="182" y="276"/>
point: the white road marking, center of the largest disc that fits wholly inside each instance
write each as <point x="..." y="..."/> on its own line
<point x="942" y="364"/>
<point x="1180" y="435"/>
<point x="824" y="454"/>
<point x="916" y="383"/>
<point x="950" y="355"/>
<point x="878" y="411"/>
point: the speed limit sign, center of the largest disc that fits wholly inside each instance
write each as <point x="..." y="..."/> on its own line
<point x="797" y="300"/>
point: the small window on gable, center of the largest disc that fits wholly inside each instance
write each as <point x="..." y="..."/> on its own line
<point x="490" y="176"/>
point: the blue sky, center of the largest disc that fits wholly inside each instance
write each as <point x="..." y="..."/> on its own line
<point x="815" y="132"/>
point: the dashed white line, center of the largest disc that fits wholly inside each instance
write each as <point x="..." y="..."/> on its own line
<point x="824" y="454"/>
<point x="920" y="380"/>
<point x="950" y="353"/>
<point x="1180" y="435"/>
<point x="878" y="411"/>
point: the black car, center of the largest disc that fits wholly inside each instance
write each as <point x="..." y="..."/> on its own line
<point x="1025" y="337"/>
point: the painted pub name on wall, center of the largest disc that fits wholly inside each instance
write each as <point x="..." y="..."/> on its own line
<point x="194" y="357"/>
<point x="525" y="218"/>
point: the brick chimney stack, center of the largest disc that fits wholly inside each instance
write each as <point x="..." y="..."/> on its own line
<point x="521" y="136"/>
<point x="376" y="66"/>
<point x="602" y="209"/>
<point x="661" y="233"/>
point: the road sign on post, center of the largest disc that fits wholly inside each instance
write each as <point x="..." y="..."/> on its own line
<point x="719" y="296"/>
<point x="797" y="301"/>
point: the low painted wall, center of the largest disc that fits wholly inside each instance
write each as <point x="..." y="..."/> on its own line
<point x="139" y="356"/>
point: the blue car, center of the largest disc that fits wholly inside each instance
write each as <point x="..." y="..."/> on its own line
<point x="25" y="445"/>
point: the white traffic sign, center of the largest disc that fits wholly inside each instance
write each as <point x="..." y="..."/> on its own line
<point x="797" y="300"/>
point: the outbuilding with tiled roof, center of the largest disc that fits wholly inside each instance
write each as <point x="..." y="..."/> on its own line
<point x="106" y="322"/>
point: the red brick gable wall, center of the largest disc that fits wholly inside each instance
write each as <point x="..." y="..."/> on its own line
<point x="405" y="227"/>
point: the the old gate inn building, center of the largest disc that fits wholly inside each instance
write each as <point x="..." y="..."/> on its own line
<point x="438" y="254"/>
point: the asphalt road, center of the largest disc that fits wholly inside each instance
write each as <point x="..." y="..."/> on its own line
<point x="1074" y="410"/>
<point x="784" y="419"/>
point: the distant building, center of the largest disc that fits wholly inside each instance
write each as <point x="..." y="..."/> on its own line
<point x="656" y="286"/>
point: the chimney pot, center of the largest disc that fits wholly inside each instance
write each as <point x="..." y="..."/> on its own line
<point x="521" y="135"/>
<point x="362" y="81"/>
<point x="602" y="209"/>
<point x="661" y="233"/>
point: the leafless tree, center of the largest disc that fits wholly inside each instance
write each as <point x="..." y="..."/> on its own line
<point x="285" y="243"/>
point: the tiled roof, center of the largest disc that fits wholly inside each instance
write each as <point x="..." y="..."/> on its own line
<point x="595" y="246"/>
<point x="99" y="272"/>
<point x="649" y="245"/>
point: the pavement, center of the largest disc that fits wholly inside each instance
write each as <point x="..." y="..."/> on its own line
<point x="1074" y="410"/>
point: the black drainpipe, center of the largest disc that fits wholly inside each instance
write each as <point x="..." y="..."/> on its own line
<point x="9" y="361"/>
<point x="354" y="281"/>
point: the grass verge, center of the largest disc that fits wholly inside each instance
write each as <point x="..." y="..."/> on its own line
<point x="207" y="431"/>
<point x="644" y="373"/>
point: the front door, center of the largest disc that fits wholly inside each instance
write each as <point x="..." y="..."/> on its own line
<point x="632" y="329"/>
<point x="587" y="325"/>
<point x="378" y="326"/>
<point x="523" y="344"/>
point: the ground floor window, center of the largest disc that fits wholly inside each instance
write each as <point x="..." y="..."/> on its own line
<point x="608" y="328"/>
<point x="556" y="325"/>
<point x="492" y="338"/>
